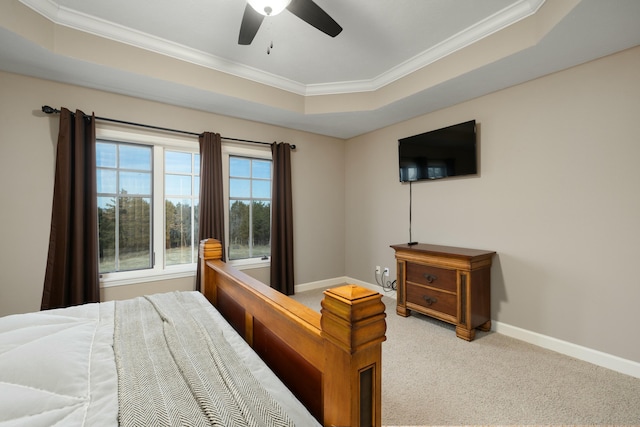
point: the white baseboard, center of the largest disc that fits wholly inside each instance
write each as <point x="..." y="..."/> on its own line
<point x="586" y="354"/>
<point x="329" y="283"/>
<point x="337" y="281"/>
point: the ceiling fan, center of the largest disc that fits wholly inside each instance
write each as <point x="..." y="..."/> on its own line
<point x="307" y="10"/>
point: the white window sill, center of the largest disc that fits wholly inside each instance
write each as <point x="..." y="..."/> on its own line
<point x="248" y="264"/>
<point x="125" y="278"/>
<point x="108" y="280"/>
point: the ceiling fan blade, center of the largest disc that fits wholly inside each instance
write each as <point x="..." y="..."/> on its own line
<point x="311" y="13"/>
<point x="251" y="21"/>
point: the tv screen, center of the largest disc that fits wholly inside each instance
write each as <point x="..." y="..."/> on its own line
<point x="437" y="154"/>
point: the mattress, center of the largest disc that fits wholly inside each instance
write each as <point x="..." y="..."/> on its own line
<point x="57" y="368"/>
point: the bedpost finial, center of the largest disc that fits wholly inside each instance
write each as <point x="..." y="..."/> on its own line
<point x="353" y="317"/>
<point x="210" y="249"/>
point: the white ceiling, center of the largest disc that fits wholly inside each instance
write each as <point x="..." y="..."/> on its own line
<point x="382" y="42"/>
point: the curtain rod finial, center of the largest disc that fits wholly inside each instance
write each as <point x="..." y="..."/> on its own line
<point x="48" y="110"/>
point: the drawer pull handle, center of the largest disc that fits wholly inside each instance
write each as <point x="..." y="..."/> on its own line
<point x="429" y="300"/>
<point x="430" y="277"/>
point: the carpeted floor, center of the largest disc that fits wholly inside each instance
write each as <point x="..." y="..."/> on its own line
<point x="431" y="377"/>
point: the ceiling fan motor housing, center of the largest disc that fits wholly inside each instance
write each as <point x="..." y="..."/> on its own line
<point x="269" y="7"/>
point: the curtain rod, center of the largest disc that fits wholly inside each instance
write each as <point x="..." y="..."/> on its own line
<point x="50" y="110"/>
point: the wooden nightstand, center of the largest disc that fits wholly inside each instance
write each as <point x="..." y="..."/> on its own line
<point x="447" y="283"/>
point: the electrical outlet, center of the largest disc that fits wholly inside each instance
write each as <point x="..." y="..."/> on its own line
<point x="377" y="269"/>
<point x="386" y="271"/>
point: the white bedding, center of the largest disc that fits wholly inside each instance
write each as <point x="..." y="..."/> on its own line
<point x="57" y="368"/>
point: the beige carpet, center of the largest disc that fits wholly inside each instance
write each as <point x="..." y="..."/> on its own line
<point x="431" y="377"/>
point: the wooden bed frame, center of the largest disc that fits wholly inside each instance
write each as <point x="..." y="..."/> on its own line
<point x="330" y="360"/>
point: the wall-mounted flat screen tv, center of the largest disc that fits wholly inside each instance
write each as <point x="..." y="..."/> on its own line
<point x="442" y="153"/>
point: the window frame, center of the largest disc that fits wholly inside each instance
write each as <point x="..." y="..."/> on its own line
<point x="262" y="152"/>
<point x="118" y="170"/>
<point x="193" y="199"/>
<point x="158" y="143"/>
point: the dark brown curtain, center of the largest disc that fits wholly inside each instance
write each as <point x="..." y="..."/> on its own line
<point x="282" y="221"/>
<point x="211" y="223"/>
<point x="71" y="276"/>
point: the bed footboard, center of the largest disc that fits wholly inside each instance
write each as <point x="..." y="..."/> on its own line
<point x="330" y="360"/>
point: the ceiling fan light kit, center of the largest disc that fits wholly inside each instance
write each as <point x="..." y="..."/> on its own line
<point x="307" y="10"/>
<point x="269" y="7"/>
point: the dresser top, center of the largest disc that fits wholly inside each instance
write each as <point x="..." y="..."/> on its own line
<point x="450" y="251"/>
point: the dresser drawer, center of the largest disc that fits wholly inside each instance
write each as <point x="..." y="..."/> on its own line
<point x="442" y="302"/>
<point x="432" y="276"/>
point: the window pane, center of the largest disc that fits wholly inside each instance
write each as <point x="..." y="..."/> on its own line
<point x="250" y="200"/>
<point x="196" y="164"/>
<point x="179" y="232"/>
<point x="261" y="169"/>
<point x="106" y="155"/>
<point x="135" y="183"/>
<point x="135" y="157"/>
<point x="239" y="188"/>
<point x="107" y="233"/>
<point x="135" y="233"/>
<point x="261" y="222"/>
<point x="261" y="189"/>
<point x="177" y="185"/>
<point x="177" y="162"/>
<point x="107" y="181"/>
<point x="181" y="216"/>
<point x="124" y="217"/>
<point x="239" y="167"/>
<point x="239" y="230"/>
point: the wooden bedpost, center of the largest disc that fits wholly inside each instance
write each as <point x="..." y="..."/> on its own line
<point x="209" y="249"/>
<point x="353" y="329"/>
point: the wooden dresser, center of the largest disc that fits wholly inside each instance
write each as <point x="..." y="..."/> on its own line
<point x="447" y="283"/>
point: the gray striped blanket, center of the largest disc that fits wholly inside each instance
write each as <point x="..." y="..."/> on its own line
<point x="176" y="369"/>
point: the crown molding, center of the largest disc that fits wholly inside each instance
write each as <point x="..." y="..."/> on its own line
<point x="73" y="19"/>
<point x="61" y="15"/>
<point x="490" y="25"/>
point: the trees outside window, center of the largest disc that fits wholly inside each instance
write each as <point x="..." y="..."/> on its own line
<point x="249" y="207"/>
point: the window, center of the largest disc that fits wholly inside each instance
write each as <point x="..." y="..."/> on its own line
<point x="182" y="189"/>
<point x="124" y="187"/>
<point x="148" y="206"/>
<point x="148" y="202"/>
<point x="249" y="208"/>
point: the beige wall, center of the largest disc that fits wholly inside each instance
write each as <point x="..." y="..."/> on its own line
<point x="557" y="196"/>
<point x="27" y="147"/>
<point x="558" y="199"/>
